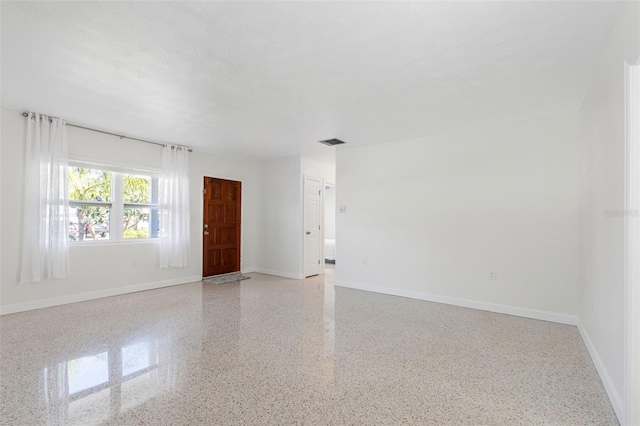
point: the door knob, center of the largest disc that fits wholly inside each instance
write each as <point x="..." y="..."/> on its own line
<point x="206" y="225"/>
<point x="308" y="232"/>
<point x="206" y="232"/>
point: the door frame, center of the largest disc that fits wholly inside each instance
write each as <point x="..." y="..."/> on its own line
<point x="320" y="220"/>
<point x="324" y="224"/>
<point x="201" y="223"/>
<point x="631" y="385"/>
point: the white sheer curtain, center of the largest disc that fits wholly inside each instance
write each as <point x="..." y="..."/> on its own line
<point x="174" y="212"/>
<point x="45" y="247"/>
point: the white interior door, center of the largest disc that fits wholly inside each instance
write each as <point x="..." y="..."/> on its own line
<point x="312" y="201"/>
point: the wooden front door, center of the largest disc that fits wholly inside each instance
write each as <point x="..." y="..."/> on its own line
<point x="221" y="226"/>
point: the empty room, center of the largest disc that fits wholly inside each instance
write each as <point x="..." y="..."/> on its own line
<point x="320" y="213"/>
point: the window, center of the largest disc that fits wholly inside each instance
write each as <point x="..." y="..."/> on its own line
<point x="140" y="197"/>
<point x="98" y="197"/>
<point x="87" y="372"/>
<point x="89" y="203"/>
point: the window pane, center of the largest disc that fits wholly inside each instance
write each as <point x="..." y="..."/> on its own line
<point x="136" y="189"/>
<point x="135" y="357"/>
<point x="89" y="184"/>
<point x="87" y="372"/>
<point x="88" y="223"/>
<point x="140" y="222"/>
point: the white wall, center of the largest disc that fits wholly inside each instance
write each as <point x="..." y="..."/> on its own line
<point x="278" y="244"/>
<point x="105" y="268"/>
<point x="432" y="216"/>
<point x="317" y="169"/>
<point x="602" y="171"/>
<point x="280" y="234"/>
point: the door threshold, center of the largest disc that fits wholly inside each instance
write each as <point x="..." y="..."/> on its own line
<point x="221" y="275"/>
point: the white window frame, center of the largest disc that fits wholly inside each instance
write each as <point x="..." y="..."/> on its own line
<point x="117" y="203"/>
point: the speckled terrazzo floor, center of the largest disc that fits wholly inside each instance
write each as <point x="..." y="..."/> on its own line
<point x="276" y="351"/>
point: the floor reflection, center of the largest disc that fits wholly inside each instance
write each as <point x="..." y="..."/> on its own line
<point x="329" y="318"/>
<point x="91" y="362"/>
<point x="92" y="388"/>
<point x="277" y="351"/>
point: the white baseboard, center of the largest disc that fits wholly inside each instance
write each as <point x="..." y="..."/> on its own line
<point x="247" y="270"/>
<point x="614" y="396"/>
<point x="64" y="300"/>
<point x="467" y="303"/>
<point x="279" y="273"/>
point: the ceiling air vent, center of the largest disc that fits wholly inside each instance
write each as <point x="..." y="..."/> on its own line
<point x="332" y="142"/>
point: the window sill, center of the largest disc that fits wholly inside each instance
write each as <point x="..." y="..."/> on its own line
<point x="102" y="243"/>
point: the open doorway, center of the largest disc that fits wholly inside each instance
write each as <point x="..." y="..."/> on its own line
<point x="330" y="225"/>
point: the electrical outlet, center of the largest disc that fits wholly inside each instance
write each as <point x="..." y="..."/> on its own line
<point x="493" y="275"/>
<point x="364" y="261"/>
<point x="134" y="263"/>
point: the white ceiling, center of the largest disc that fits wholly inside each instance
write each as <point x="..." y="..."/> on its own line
<point x="269" y="79"/>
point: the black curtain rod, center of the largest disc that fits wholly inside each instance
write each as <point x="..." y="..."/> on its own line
<point x="26" y="114"/>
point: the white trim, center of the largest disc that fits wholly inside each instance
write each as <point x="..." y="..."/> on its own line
<point x="467" y="303"/>
<point x="613" y="394"/>
<point x="631" y="376"/>
<point x="64" y="300"/>
<point x="284" y="274"/>
<point x="105" y="242"/>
